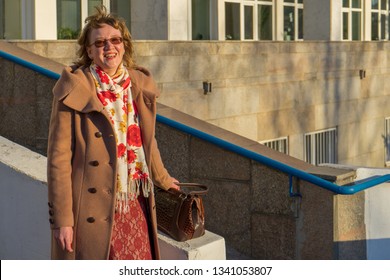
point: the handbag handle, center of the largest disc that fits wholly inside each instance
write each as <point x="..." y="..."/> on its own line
<point x="204" y="189"/>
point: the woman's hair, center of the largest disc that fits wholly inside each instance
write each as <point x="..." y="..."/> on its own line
<point x="96" y="21"/>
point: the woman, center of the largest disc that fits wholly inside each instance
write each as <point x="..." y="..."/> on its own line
<point x="102" y="154"/>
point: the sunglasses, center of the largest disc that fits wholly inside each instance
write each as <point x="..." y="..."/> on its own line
<point x="102" y="43"/>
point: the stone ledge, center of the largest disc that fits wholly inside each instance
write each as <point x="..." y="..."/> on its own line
<point x="339" y="176"/>
<point x="23" y="160"/>
<point x="210" y="246"/>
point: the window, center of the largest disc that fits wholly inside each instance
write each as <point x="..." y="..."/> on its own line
<point x="379" y="20"/>
<point x="387" y="141"/>
<point x="68" y="19"/>
<point x="249" y="19"/>
<point x="2" y="18"/>
<point x="293" y="20"/>
<point x="92" y="4"/>
<point x="352" y="20"/>
<point x="248" y="22"/>
<point x="122" y="8"/>
<point x="72" y="13"/>
<point x="321" y="147"/>
<point x="232" y="21"/>
<point x="279" y="144"/>
<point x="11" y="19"/>
<point x="200" y="19"/>
<point x="265" y="20"/>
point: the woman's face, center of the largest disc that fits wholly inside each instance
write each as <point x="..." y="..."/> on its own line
<point x="109" y="55"/>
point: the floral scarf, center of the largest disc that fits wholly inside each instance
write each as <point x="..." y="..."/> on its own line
<point x="115" y="94"/>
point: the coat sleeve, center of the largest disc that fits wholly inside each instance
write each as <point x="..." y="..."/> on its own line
<point x="59" y="167"/>
<point x="159" y="172"/>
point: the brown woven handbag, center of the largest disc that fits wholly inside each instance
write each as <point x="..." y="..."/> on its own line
<point x="180" y="213"/>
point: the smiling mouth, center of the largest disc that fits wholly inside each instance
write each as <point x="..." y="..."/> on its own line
<point x="110" y="55"/>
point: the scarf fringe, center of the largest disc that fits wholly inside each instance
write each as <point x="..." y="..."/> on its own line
<point x="134" y="188"/>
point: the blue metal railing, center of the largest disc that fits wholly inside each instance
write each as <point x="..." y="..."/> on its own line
<point x="275" y="164"/>
<point x="292" y="172"/>
<point x="30" y="65"/>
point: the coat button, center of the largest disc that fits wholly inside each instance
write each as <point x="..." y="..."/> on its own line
<point x="91" y="220"/>
<point x="98" y="134"/>
<point x="51" y="221"/>
<point x="94" y="163"/>
<point x="51" y="212"/>
<point x="92" y="190"/>
<point x="50" y="204"/>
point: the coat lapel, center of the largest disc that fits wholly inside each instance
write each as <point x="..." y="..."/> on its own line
<point x="75" y="90"/>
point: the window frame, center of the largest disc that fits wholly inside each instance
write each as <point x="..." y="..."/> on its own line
<point x="269" y="143"/>
<point x="381" y="13"/>
<point x="297" y="6"/>
<point x="313" y="156"/>
<point x="255" y="6"/>
<point x="273" y="19"/>
<point x="192" y="19"/>
<point x="243" y="18"/>
<point x="349" y="11"/>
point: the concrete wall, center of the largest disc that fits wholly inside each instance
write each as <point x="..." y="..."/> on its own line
<point x="266" y="90"/>
<point x="25" y="102"/>
<point x="25" y="232"/>
<point x="361" y="221"/>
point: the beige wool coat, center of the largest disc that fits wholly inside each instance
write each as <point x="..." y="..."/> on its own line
<point x="82" y="161"/>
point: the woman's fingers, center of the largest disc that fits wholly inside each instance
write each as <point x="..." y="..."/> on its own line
<point x="64" y="237"/>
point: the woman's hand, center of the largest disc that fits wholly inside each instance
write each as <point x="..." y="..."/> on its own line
<point x="64" y="238"/>
<point x="174" y="186"/>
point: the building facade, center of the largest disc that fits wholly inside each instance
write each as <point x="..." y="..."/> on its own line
<point x="273" y="20"/>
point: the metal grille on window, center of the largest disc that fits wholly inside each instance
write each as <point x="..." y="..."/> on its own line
<point x="321" y="147"/>
<point x="280" y="144"/>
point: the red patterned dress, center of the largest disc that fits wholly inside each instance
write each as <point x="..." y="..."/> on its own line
<point x="130" y="235"/>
